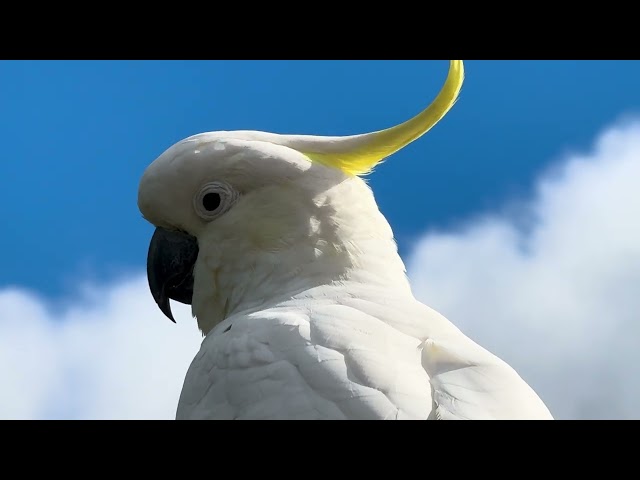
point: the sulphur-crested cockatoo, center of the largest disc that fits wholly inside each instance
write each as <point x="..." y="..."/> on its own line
<point x="295" y="280"/>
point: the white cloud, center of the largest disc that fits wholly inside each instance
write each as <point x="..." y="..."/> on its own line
<point x="109" y="355"/>
<point x="558" y="295"/>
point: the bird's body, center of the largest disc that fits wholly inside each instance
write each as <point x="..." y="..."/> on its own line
<point x="335" y="354"/>
<point x="295" y="279"/>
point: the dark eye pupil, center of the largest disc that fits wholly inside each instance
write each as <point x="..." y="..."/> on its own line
<point x="211" y="201"/>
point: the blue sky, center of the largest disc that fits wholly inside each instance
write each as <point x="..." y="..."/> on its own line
<point x="77" y="136"/>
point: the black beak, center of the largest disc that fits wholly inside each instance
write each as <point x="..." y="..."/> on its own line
<point x="170" y="262"/>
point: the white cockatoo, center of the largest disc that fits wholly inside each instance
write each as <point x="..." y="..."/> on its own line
<point x="295" y="280"/>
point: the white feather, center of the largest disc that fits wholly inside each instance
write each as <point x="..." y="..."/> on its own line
<point x="331" y="360"/>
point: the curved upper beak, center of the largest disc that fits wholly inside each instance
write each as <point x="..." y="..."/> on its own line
<point x="170" y="261"/>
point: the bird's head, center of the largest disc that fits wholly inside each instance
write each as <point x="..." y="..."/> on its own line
<point x="234" y="199"/>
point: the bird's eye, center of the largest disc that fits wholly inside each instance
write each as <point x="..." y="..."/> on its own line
<point x="211" y="201"/>
<point x="214" y="199"/>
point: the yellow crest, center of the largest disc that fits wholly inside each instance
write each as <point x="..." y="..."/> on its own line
<point x="359" y="154"/>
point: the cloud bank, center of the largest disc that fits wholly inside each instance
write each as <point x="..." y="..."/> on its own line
<point x="552" y="285"/>
<point x="110" y="354"/>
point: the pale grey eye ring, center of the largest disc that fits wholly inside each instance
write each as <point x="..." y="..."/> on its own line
<point x="214" y="199"/>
